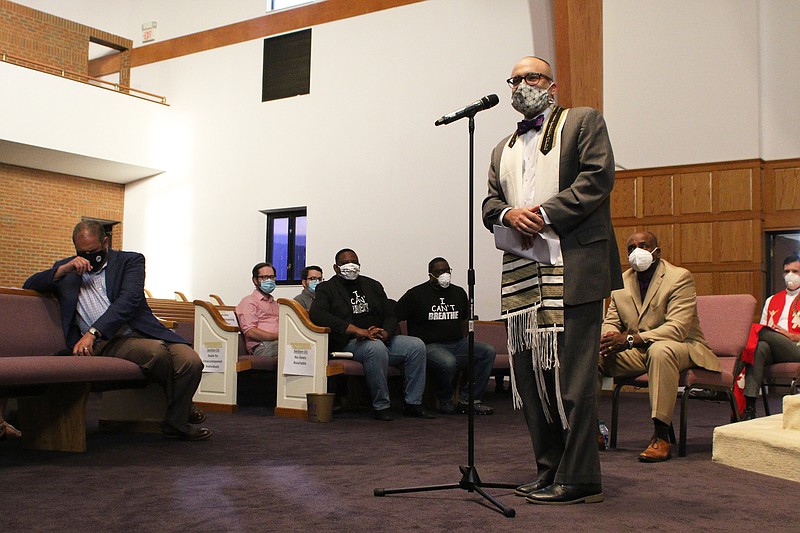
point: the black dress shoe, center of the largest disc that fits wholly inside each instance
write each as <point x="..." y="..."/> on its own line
<point x="558" y="494"/>
<point x="527" y="488"/>
<point x="189" y="433"/>
<point x="417" y="411"/>
<point x="749" y="414"/>
<point x="196" y="416"/>
<point x="383" y="415"/>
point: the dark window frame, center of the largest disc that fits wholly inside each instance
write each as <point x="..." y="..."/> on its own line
<point x="292" y="273"/>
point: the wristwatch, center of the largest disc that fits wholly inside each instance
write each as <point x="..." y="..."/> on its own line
<point x="94" y="332"/>
<point x="629" y="338"/>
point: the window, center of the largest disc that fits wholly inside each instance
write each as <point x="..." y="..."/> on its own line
<point x="287" y="66"/>
<point x="286" y="243"/>
<point x="273" y="5"/>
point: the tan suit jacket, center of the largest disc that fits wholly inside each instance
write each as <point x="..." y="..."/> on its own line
<point x="668" y="312"/>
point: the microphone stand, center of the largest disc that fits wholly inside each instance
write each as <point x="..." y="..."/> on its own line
<point x="470" y="481"/>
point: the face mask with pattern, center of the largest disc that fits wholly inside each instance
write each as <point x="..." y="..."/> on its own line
<point x="530" y="100"/>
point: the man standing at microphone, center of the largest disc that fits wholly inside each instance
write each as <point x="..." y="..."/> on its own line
<point x="552" y="177"/>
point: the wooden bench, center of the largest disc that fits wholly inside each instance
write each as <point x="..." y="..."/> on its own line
<point x="51" y="386"/>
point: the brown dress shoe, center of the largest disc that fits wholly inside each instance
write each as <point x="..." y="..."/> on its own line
<point x="656" y="452"/>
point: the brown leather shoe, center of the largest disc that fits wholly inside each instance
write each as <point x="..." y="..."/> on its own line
<point x="658" y="451"/>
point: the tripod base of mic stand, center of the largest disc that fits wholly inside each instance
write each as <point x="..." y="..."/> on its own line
<point x="470" y="481"/>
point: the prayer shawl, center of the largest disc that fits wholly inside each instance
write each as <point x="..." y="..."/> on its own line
<point x="532" y="299"/>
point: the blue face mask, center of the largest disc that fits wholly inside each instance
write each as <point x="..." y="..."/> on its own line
<point x="267" y="286"/>
<point x="312" y="285"/>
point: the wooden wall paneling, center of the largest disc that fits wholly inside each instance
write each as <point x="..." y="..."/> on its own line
<point x="787" y="189"/>
<point x="665" y="233"/>
<point x="657" y="196"/>
<point x="623" y="198"/>
<point x="696" y="192"/>
<point x="736" y="241"/>
<point x="622" y="233"/>
<point x="703" y="283"/>
<point x="735" y="190"/>
<point x="696" y="241"/>
<point x="742" y="282"/>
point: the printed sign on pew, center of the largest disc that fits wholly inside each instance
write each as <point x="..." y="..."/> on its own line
<point x="300" y="359"/>
<point x="213" y="357"/>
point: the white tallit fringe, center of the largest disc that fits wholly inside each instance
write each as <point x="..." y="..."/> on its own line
<point x="524" y="333"/>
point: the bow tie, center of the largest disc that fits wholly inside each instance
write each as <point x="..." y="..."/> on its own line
<point x="525" y="126"/>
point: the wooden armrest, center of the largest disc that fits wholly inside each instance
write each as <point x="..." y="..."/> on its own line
<point x="242" y="366"/>
<point x="212" y="310"/>
<point x="303" y="314"/>
<point x="167" y="323"/>
<point x="182" y="296"/>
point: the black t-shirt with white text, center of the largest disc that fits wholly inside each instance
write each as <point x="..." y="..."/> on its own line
<point x="434" y="314"/>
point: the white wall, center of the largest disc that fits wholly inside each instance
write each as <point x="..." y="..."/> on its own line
<point x="693" y="82"/>
<point x="361" y="151"/>
<point x="780" y="78"/>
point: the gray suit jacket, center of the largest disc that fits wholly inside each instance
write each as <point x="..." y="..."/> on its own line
<point x="668" y="312"/>
<point x="581" y="212"/>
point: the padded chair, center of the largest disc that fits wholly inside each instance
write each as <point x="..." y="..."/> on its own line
<point x="725" y="320"/>
<point x="781" y="374"/>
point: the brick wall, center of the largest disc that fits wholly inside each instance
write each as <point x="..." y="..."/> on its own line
<point x="53" y="41"/>
<point x="38" y="210"/>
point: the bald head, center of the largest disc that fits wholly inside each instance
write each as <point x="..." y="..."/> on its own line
<point x="532" y="64"/>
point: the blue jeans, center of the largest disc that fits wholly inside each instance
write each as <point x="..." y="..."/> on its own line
<point x="446" y="359"/>
<point x="377" y="357"/>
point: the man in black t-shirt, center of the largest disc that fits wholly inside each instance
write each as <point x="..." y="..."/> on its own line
<point x="438" y="313"/>
<point x="362" y="321"/>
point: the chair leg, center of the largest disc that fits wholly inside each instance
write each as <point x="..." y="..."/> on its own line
<point x="684" y="416"/>
<point x="614" y="416"/>
<point x="764" y="397"/>
<point x="734" y="406"/>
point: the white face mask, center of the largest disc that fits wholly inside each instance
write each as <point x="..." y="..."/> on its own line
<point x="349" y="271"/>
<point x="444" y="280"/>
<point x="792" y="280"/>
<point x="640" y="259"/>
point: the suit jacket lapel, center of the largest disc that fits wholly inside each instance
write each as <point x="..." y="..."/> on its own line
<point x="655" y="283"/>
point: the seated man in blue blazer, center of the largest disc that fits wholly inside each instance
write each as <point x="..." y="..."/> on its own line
<point x="104" y="312"/>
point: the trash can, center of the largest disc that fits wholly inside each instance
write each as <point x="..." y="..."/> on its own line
<point x="320" y="406"/>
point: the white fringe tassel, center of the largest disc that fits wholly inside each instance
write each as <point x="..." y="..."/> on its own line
<point x="525" y="334"/>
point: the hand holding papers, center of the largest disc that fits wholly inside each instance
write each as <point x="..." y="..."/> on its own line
<point x="544" y="247"/>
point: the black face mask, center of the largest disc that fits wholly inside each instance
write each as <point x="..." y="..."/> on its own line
<point x="96" y="259"/>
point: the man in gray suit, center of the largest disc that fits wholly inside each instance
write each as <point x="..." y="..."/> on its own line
<point x="552" y="179"/>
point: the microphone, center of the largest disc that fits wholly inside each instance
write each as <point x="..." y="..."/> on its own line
<point x="484" y="103"/>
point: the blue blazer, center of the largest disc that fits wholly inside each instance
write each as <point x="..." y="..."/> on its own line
<point x="125" y="290"/>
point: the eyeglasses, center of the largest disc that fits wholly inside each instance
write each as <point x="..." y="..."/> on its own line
<point x="315" y="278"/>
<point x="531" y="78"/>
<point x="264" y="278"/>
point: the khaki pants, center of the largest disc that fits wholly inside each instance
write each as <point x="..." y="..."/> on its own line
<point x="663" y="361"/>
<point x="176" y="367"/>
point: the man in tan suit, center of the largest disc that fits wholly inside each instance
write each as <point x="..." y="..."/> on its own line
<point x="651" y="326"/>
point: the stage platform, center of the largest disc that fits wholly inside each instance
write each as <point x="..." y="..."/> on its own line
<point x="768" y="445"/>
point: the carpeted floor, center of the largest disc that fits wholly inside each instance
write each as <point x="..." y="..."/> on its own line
<point x="262" y="473"/>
